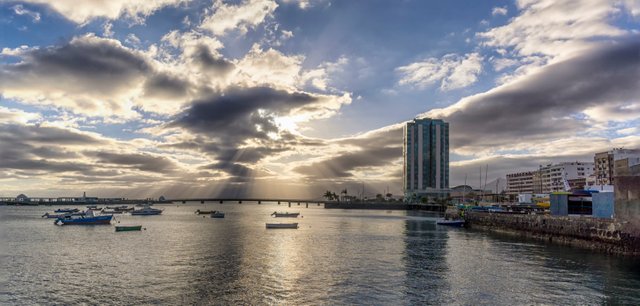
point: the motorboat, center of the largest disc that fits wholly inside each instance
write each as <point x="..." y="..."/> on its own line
<point x="285" y="214"/>
<point x="457" y="222"/>
<point x="282" y="225"/>
<point x="146" y="211"/>
<point x="111" y="211"/>
<point x="66" y="210"/>
<point x="216" y="214"/>
<point x="87" y="219"/>
<point x="128" y="228"/>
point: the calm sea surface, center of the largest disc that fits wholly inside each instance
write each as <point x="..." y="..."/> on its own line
<point x="335" y="257"/>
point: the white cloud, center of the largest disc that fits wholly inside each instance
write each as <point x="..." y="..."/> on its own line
<point x="107" y="29"/>
<point x="20" y="10"/>
<point x="499" y="11"/>
<point x="85" y="10"/>
<point x="555" y="28"/>
<point x="453" y="71"/>
<point x="242" y="17"/>
<point x="502" y="63"/>
<point x="629" y="131"/>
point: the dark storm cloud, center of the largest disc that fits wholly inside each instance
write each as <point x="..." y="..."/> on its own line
<point x="165" y="86"/>
<point x="236" y="111"/>
<point x="224" y="123"/>
<point x="539" y="106"/>
<point x="378" y="148"/>
<point x="207" y="62"/>
<point x="341" y="165"/>
<point x="85" y="64"/>
<point x="41" y="149"/>
<point x="144" y="162"/>
<point x="15" y="134"/>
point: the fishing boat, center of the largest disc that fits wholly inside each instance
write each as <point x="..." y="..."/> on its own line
<point x="458" y="223"/>
<point x="146" y="211"/>
<point x="285" y="214"/>
<point x="88" y="219"/>
<point x="217" y="214"/>
<point x="66" y="210"/>
<point x="282" y="225"/>
<point x="128" y="228"/>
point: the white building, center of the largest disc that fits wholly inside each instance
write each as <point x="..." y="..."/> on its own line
<point x="575" y="173"/>
<point x="521" y="182"/>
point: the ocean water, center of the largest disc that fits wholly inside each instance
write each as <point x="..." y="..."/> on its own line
<point x="336" y="257"/>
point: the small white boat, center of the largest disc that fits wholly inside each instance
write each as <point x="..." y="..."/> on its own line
<point x="282" y="225"/>
<point x="285" y="214"/>
<point x="146" y="211"/>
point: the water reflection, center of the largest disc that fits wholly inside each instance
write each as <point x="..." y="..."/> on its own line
<point x="335" y="257"/>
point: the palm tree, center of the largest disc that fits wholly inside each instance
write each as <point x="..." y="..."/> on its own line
<point x="328" y="195"/>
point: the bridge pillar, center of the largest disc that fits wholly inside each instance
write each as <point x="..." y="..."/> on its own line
<point x="259" y="202"/>
<point x="278" y="202"/>
<point x="289" y="204"/>
<point x="239" y="202"/>
<point x="298" y="203"/>
<point x="318" y="203"/>
<point x="307" y="204"/>
<point x="220" y="201"/>
<point x="201" y="202"/>
<point x="183" y="202"/>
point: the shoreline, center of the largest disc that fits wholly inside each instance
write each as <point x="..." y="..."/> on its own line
<point x="614" y="237"/>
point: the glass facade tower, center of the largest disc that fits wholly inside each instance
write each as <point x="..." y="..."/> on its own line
<point x="426" y="158"/>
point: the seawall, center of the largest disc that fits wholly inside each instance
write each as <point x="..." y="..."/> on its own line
<point x="604" y="235"/>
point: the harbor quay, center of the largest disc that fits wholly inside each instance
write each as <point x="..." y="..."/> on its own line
<point x="621" y="237"/>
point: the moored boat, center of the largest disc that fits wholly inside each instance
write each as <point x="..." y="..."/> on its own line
<point x="203" y="212"/>
<point x="66" y="210"/>
<point x="285" y="214"/>
<point x="458" y="223"/>
<point x="111" y="211"/>
<point x="146" y="211"/>
<point x="217" y="214"/>
<point x="282" y="225"/>
<point x="88" y="219"/>
<point x="128" y="228"/>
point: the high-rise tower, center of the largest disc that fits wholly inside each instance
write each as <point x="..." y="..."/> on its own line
<point x="426" y="158"/>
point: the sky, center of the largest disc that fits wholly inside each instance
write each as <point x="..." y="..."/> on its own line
<point x="289" y="98"/>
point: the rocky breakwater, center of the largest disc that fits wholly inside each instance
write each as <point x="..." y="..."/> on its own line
<point x="610" y="236"/>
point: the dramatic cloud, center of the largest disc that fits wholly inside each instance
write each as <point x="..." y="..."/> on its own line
<point x="452" y="70"/>
<point x="92" y="76"/>
<point x="242" y="17"/>
<point x="376" y="149"/>
<point x="83" y="11"/>
<point x="544" y="105"/>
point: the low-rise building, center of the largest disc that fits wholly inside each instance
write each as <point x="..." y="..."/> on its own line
<point x="605" y="164"/>
<point x="521" y="182"/>
<point x="553" y="176"/>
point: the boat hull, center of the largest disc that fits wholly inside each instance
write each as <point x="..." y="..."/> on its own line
<point x="282" y="225"/>
<point x="128" y="228"/>
<point x="454" y="223"/>
<point x="285" y="215"/>
<point x="98" y="220"/>
<point x="145" y="213"/>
